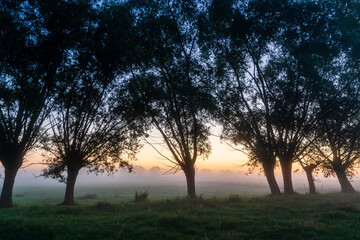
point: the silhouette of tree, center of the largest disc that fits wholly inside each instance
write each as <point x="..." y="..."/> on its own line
<point x="238" y="36"/>
<point x="89" y="129"/>
<point x="138" y="169"/>
<point x="167" y="83"/>
<point x="86" y="133"/>
<point x="155" y="170"/>
<point x="341" y="141"/>
<point x="338" y="99"/>
<point x="34" y="39"/>
<point x="310" y="161"/>
<point x="267" y="100"/>
<point x="301" y="46"/>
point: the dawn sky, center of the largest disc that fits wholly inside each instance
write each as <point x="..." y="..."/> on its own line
<point x="222" y="157"/>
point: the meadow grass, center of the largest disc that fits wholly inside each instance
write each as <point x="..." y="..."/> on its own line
<point x="299" y="216"/>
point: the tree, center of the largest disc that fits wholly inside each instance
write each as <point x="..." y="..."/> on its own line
<point x="341" y="142"/>
<point x="138" y="169"/>
<point x="155" y="170"/>
<point x="268" y="101"/>
<point x="339" y="98"/>
<point x="237" y="36"/>
<point x="166" y="84"/>
<point x="303" y="45"/>
<point x="33" y="44"/>
<point x="310" y="160"/>
<point x="86" y="133"/>
<point x="89" y="129"/>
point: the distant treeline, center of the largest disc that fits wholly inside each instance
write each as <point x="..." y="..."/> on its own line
<point x="86" y="81"/>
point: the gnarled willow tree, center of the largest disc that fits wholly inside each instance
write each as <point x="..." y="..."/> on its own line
<point x="87" y="134"/>
<point x="269" y="60"/>
<point x="90" y="127"/>
<point x="32" y="45"/>
<point x="167" y="83"/>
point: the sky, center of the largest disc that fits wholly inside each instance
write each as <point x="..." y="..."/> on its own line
<point x="223" y="157"/>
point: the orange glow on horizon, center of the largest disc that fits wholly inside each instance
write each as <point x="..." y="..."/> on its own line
<point x="222" y="157"/>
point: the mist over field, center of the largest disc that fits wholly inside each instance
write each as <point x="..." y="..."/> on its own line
<point x="161" y="184"/>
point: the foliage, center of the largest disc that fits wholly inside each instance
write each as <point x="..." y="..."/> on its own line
<point x="32" y="49"/>
<point x="35" y="39"/>
<point x="89" y="78"/>
<point x="141" y="196"/>
<point x="88" y="126"/>
<point x="311" y="159"/>
<point x="234" y="198"/>
<point x="167" y="84"/>
<point x="272" y="62"/>
<point x="339" y="99"/>
<point x="85" y="134"/>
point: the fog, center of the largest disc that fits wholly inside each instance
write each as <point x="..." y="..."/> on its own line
<point x="208" y="182"/>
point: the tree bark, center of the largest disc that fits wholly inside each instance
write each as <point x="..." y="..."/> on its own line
<point x="270" y="177"/>
<point x="286" y="167"/>
<point x="70" y="186"/>
<point x="8" y="186"/>
<point x="190" y="181"/>
<point x="345" y="184"/>
<point x="310" y="179"/>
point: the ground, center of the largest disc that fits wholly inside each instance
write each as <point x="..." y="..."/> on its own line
<point x="299" y="216"/>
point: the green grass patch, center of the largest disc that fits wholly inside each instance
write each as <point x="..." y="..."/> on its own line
<point x="322" y="216"/>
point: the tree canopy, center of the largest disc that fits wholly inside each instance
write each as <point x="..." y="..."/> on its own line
<point x="90" y="78"/>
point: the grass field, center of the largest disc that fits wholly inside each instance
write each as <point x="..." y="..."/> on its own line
<point x="115" y="193"/>
<point x="321" y="216"/>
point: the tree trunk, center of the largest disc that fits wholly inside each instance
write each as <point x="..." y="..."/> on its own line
<point x="270" y="176"/>
<point x="345" y="184"/>
<point x="190" y="181"/>
<point x="8" y="186"/>
<point x="286" y="172"/>
<point x="310" y="179"/>
<point x="70" y="186"/>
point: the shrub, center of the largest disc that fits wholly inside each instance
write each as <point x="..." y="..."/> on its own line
<point x="141" y="196"/>
<point x="234" y="198"/>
